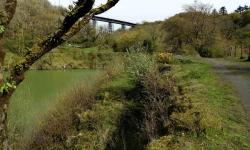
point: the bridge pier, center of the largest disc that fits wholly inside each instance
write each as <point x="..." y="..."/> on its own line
<point x="110" y="27"/>
<point x="123" y="27"/>
<point x="94" y="23"/>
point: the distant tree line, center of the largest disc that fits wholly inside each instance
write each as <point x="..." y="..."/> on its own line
<point x="210" y="32"/>
<point x="199" y="29"/>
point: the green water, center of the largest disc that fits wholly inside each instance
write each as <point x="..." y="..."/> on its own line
<point x="39" y="92"/>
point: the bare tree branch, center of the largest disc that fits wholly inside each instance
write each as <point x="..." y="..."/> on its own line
<point x="85" y="20"/>
<point x="69" y="28"/>
<point x="81" y="8"/>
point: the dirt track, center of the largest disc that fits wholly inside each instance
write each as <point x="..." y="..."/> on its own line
<point x="238" y="75"/>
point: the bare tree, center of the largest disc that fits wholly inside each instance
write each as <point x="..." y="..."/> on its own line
<point x="198" y="7"/>
<point x="201" y="33"/>
<point x="77" y="17"/>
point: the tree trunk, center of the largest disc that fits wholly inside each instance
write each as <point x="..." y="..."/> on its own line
<point x="4" y="104"/>
<point x="248" y="53"/>
<point x="2" y="55"/>
<point x="241" y="52"/>
<point x="235" y="51"/>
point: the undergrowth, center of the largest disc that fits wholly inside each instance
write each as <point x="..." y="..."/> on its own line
<point x="134" y="105"/>
<point x="154" y="98"/>
<point x="81" y="110"/>
<point x="122" y="110"/>
<point x="222" y="118"/>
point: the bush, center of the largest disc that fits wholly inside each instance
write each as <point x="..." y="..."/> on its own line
<point x="165" y="58"/>
<point x="159" y="98"/>
<point x="214" y="50"/>
<point x="139" y="65"/>
<point x="155" y="98"/>
<point x="134" y="40"/>
<point x="204" y="51"/>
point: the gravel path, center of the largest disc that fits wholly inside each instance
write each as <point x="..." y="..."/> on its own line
<point x="238" y="75"/>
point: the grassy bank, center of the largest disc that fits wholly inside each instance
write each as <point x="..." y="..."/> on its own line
<point x="68" y="57"/>
<point x="39" y="93"/>
<point x="222" y="118"/>
<point x="82" y="117"/>
<point x="133" y="104"/>
<point x="136" y="106"/>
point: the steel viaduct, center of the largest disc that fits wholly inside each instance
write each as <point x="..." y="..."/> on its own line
<point x="110" y="22"/>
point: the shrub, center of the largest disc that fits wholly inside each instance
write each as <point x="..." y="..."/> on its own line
<point x="204" y="51"/>
<point x="165" y="58"/>
<point x="134" y="40"/>
<point x="139" y="65"/>
<point x="159" y="99"/>
<point x="155" y="98"/>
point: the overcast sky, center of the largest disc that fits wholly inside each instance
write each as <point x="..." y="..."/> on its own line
<point x="151" y="10"/>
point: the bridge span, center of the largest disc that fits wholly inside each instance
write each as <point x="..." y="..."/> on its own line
<point x="111" y="22"/>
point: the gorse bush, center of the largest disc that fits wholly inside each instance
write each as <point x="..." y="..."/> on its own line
<point x="165" y="58"/>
